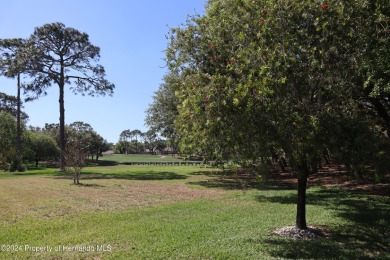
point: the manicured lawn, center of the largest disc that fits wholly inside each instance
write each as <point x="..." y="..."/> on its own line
<point x="138" y="158"/>
<point x="180" y="212"/>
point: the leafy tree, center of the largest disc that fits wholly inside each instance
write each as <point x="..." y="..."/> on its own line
<point x="162" y="113"/>
<point x="136" y="133"/>
<point x="53" y="130"/>
<point x="124" y="145"/>
<point x="81" y="127"/>
<point x="64" y="55"/>
<point x="7" y="132"/>
<point x="150" y="138"/>
<point x="93" y="141"/>
<point x="160" y="145"/>
<point x="258" y="74"/>
<point x="14" y="61"/>
<point x="120" y="147"/>
<point x="96" y="145"/>
<point x="78" y="146"/>
<point x="9" y="104"/>
<point x="127" y="143"/>
<point x="42" y="147"/>
<point x="369" y="26"/>
<point x="75" y="154"/>
<point x="8" y="154"/>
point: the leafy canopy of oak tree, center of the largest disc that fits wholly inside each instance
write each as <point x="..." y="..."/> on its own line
<point x="253" y="75"/>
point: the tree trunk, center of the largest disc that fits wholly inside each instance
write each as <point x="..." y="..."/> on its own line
<point x="18" y="128"/>
<point x="303" y="174"/>
<point x="301" y="203"/>
<point x="76" y="179"/>
<point x="62" y="119"/>
<point x="382" y="113"/>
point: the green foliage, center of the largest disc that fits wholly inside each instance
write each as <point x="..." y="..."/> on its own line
<point x="123" y="158"/>
<point x="254" y="75"/>
<point x="150" y="139"/>
<point x="91" y="141"/>
<point x="41" y="146"/>
<point x="7" y="143"/>
<point x="135" y="141"/>
<point x="14" y="165"/>
<point x="7" y="137"/>
<point x="71" y="58"/>
<point x="63" y="55"/>
<point x="162" y="113"/>
<point x="9" y="104"/>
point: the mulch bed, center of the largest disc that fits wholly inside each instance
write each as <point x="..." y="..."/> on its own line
<point x="296" y="233"/>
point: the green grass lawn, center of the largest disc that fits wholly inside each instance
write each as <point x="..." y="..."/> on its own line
<point x="179" y="212"/>
<point x="121" y="158"/>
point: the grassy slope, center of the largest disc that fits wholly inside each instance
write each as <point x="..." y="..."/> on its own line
<point x="153" y="212"/>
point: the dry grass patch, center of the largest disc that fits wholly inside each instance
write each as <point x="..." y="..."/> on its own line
<point x="46" y="196"/>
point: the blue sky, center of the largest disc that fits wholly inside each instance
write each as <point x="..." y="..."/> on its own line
<point x="131" y="36"/>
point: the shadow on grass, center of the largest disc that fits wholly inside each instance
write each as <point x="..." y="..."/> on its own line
<point x="145" y="175"/>
<point x="89" y="185"/>
<point x="367" y="234"/>
<point x="207" y="173"/>
<point x="12" y="174"/>
<point x="32" y="172"/>
<point x="231" y="181"/>
<point x="350" y="242"/>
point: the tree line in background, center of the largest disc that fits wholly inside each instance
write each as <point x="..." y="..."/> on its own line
<point x="43" y="144"/>
<point x="53" y="54"/>
<point x="306" y="80"/>
<point x="135" y="142"/>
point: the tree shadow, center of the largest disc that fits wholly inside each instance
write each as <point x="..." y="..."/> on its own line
<point x="89" y="185"/>
<point x="206" y="173"/>
<point x="20" y="174"/>
<point x="365" y="236"/>
<point x="231" y="181"/>
<point x="348" y="242"/>
<point x="143" y="176"/>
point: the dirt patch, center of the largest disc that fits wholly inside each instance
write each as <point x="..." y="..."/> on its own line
<point x="338" y="176"/>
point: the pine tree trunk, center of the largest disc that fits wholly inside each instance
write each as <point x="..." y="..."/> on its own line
<point x="62" y="119"/>
<point x="18" y="128"/>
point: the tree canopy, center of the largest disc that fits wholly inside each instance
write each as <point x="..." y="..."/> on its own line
<point x="162" y="113"/>
<point x="9" y="104"/>
<point x="63" y="55"/>
<point x="15" y="59"/>
<point x="41" y="146"/>
<point x="255" y="75"/>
